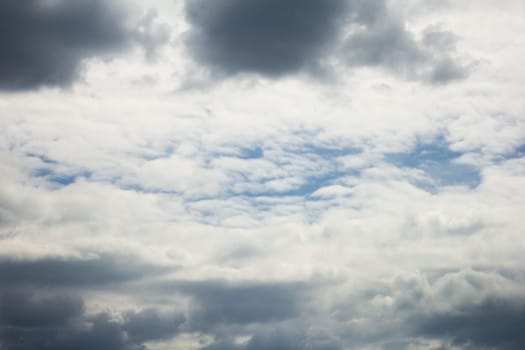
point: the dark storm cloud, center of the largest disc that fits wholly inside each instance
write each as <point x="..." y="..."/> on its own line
<point x="493" y="324"/>
<point x="23" y="309"/>
<point x="476" y="309"/>
<point x="389" y="45"/>
<point x="151" y="325"/>
<point x="29" y="322"/>
<point x="386" y="44"/>
<point x="282" y="339"/>
<point x="274" y="38"/>
<point x="270" y="37"/>
<point x="217" y="303"/>
<point x="44" y="42"/>
<point x="439" y="308"/>
<point x="57" y="272"/>
<point x="367" y="12"/>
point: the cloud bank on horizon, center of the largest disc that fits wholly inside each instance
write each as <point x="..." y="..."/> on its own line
<point x="262" y="174"/>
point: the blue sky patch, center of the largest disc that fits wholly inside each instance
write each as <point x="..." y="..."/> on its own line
<point x="439" y="163"/>
<point x="44" y="159"/>
<point x="60" y="178"/>
<point x="252" y="153"/>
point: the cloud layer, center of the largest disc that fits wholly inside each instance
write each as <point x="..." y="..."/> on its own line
<point x="340" y="175"/>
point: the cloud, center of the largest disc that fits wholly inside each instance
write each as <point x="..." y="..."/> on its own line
<point x="44" y="42"/>
<point x="388" y="44"/>
<point x="278" y="38"/>
<point x="447" y="70"/>
<point x="22" y="309"/>
<point x="150" y="34"/>
<point x="37" y="309"/>
<point x="493" y="324"/>
<point x="271" y="38"/>
<point x="29" y="321"/>
<point x="220" y="303"/>
<point x="58" y="272"/>
<point x="470" y="309"/>
<point x="284" y="339"/>
<point x="249" y="188"/>
<point x="150" y="325"/>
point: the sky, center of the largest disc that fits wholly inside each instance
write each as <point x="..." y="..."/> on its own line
<point x="262" y="175"/>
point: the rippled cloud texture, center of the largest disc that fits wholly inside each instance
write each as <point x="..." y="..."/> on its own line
<point x="262" y="175"/>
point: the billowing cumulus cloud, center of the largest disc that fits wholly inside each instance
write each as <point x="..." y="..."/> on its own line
<point x="285" y="339"/>
<point x="217" y="303"/>
<point x="60" y="272"/>
<point x="272" y="37"/>
<point x="493" y="324"/>
<point x="277" y="38"/>
<point x="60" y="322"/>
<point x="22" y="309"/>
<point x="44" y="43"/>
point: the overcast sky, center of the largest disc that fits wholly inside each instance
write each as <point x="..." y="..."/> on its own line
<point x="262" y="174"/>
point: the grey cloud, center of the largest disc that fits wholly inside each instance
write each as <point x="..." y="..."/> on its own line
<point x="97" y="333"/>
<point x="271" y="37"/>
<point x="436" y="38"/>
<point x="388" y="44"/>
<point x="57" y="272"/>
<point x="150" y="34"/>
<point x="446" y="70"/>
<point x="223" y="345"/>
<point x="289" y="341"/>
<point x="456" y="309"/>
<point x="29" y="322"/>
<point x="151" y="325"/>
<point x="282" y="339"/>
<point x="440" y="308"/>
<point x="217" y="303"/>
<point x="276" y="38"/>
<point x="44" y="43"/>
<point x="493" y="324"/>
<point x="367" y="12"/>
<point x="467" y="309"/>
<point x="446" y="66"/>
<point x="22" y="309"/>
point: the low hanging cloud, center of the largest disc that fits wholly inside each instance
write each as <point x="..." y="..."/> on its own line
<point x="493" y="324"/>
<point x="389" y="45"/>
<point x="272" y="37"/>
<point x="42" y="306"/>
<point x="465" y="309"/>
<point x="31" y="321"/>
<point x="44" y="43"/>
<point x="279" y="38"/>
<point x="217" y="303"/>
<point x="56" y="272"/>
<point x="288" y="338"/>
